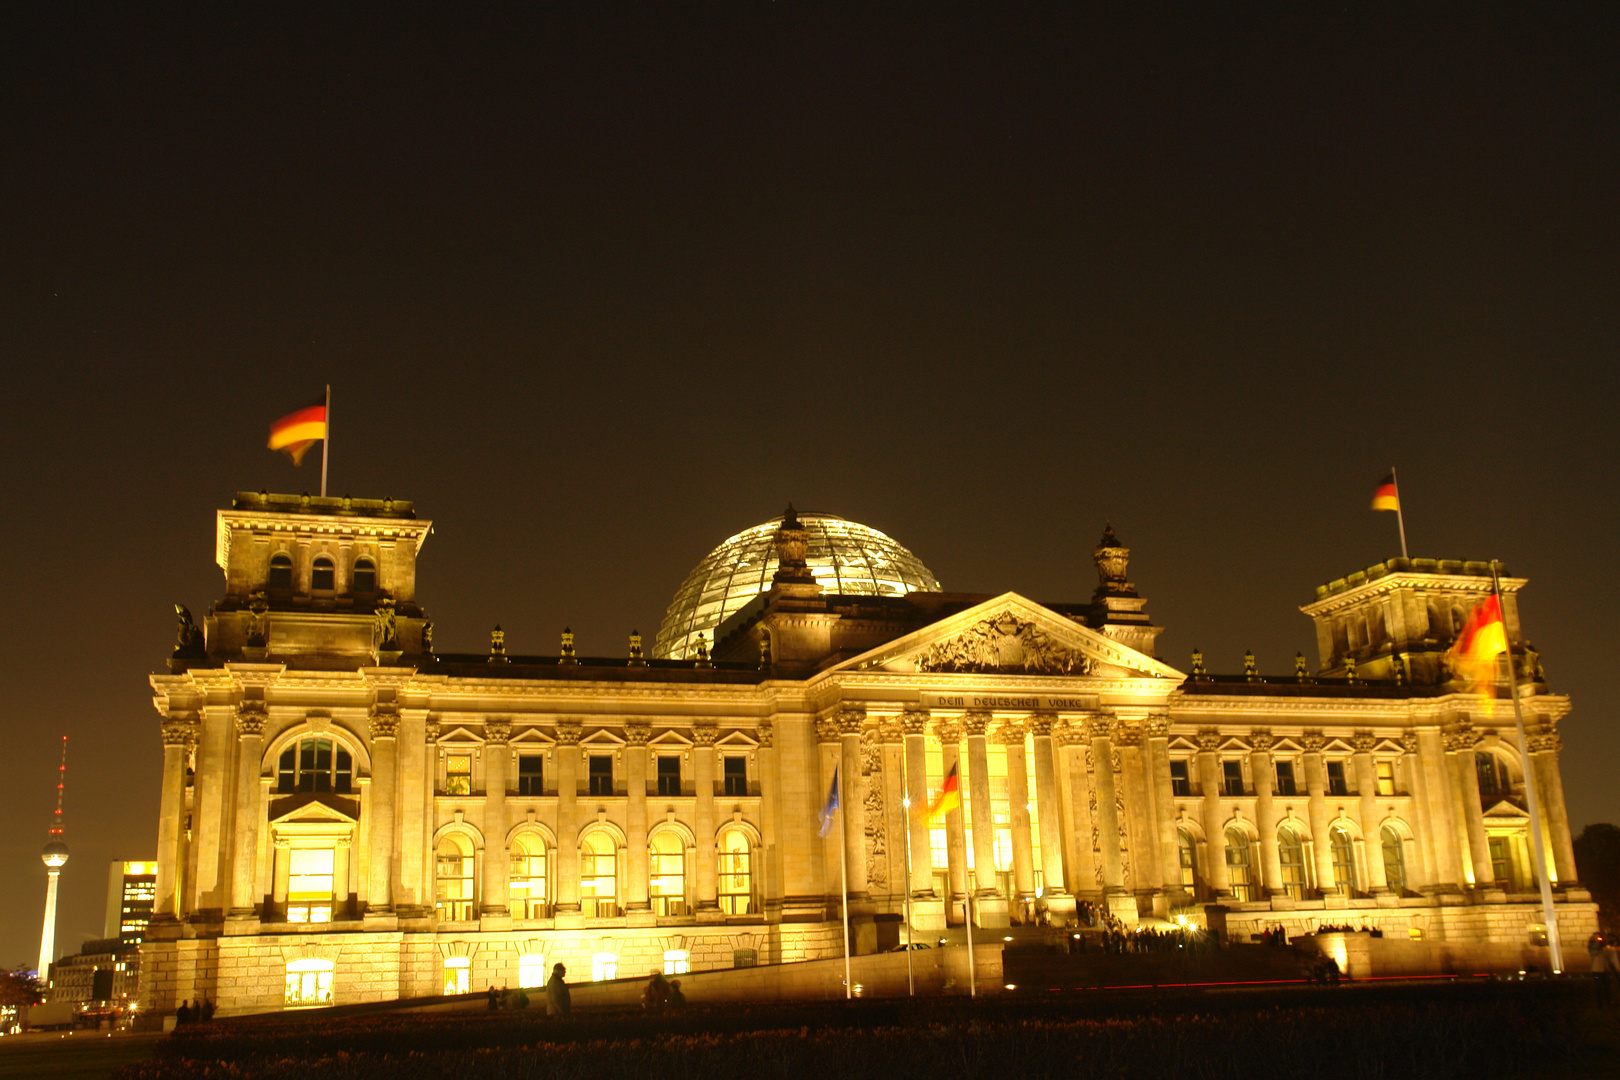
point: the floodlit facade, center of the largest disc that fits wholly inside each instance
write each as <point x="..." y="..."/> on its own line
<point x="348" y="815"/>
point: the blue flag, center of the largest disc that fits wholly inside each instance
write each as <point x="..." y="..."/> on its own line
<point x="831" y="809"/>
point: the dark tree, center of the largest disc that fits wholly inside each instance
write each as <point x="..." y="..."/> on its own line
<point x="1597" y="857"/>
<point x="18" y="988"/>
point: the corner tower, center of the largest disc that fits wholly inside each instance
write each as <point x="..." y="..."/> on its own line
<point x="1116" y="609"/>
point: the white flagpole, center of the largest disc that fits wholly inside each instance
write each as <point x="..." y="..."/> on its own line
<point x="973" y="981"/>
<point x="1548" y="916"/>
<point x="1400" y="515"/>
<point x="843" y="894"/>
<point x="326" y="443"/>
<point x="905" y="803"/>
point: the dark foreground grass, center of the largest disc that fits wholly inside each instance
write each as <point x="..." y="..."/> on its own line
<point x="1439" y="1033"/>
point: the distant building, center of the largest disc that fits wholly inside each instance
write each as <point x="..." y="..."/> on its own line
<point x="131" y="887"/>
<point x="348" y="816"/>
<point x="104" y="974"/>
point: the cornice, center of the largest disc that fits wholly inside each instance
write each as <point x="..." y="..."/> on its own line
<point x="1408" y="579"/>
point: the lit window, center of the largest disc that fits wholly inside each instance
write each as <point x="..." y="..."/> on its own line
<point x="365" y="576"/>
<point x="669" y="775"/>
<point x="531" y="971"/>
<point x="531" y="774"/>
<point x="453" y="869"/>
<point x="309" y="885"/>
<point x="1180" y="783"/>
<point x="314" y="765"/>
<point x="322" y="575"/>
<point x="1386" y="778"/>
<point x="526" y="888"/>
<point x="1344" y="859"/>
<point x="309" y="982"/>
<point x="456" y="970"/>
<point x="281" y="572"/>
<point x="604" y="966"/>
<point x="667" y="856"/>
<point x="675" y="962"/>
<point x="458" y="774"/>
<point x="1501" y="861"/>
<point x="601" y="772"/>
<point x="736" y="775"/>
<point x="598" y="876"/>
<point x="1394" y="858"/>
<point x="1187" y="853"/>
<point x="736" y="877"/>
<point x="1237" y="865"/>
<point x="1291" y="855"/>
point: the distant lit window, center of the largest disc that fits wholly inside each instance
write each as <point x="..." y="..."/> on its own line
<point x="1342" y="847"/>
<point x="281" y="572"/>
<point x="1291" y="856"/>
<point x="1394" y="858"/>
<point x="526" y="882"/>
<point x="531" y="971"/>
<point x="458" y="774"/>
<point x="365" y="576"/>
<point x="456" y="970"/>
<point x="736" y="873"/>
<point x="309" y="982"/>
<point x="316" y="764"/>
<point x="1238" y="878"/>
<point x="736" y="775"/>
<point x="598" y="876"/>
<point x="604" y="966"/>
<point x="309" y="885"/>
<point x="1180" y="784"/>
<point x="676" y="962"/>
<point x="1187" y="854"/>
<point x="667" y="881"/>
<point x="322" y="576"/>
<point x="531" y="774"/>
<point x="669" y="775"/>
<point x="453" y="874"/>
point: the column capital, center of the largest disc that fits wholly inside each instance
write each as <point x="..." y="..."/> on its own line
<point x="704" y="734"/>
<point x="1010" y="733"/>
<point x="1069" y="732"/>
<point x="765" y="732"/>
<point x="179" y="732"/>
<point x="1261" y="740"/>
<point x="1101" y="725"/>
<point x="1409" y="741"/>
<point x="1041" y="724"/>
<point x="1458" y="737"/>
<point x="891" y="731"/>
<point x="1312" y="741"/>
<point x="949" y="732"/>
<point x="430" y="731"/>
<point x="1209" y="740"/>
<point x="637" y="734"/>
<point x="568" y="733"/>
<point x="1363" y="742"/>
<point x="850" y="719"/>
<point x="975" y="723"/>
<point x="1545" y="741"/>
<point x="1128" y="735"/>
<point x="1157" y="725"/>
<point x="251" y="716"/>
<point x="914" y="721"/>
<point x="383" y="721"/>
<point x="826" y="730"/>
<point x="497" y="732"/>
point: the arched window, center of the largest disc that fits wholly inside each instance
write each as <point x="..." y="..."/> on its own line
<point x="1187" y="849"/>
<point x="736" y="873"/>
<point x="1394" y="858"/>
<point x="281" y="572"/>
<point x="317" y="764"/>
<point x="667" y="863"/>
<point x="309" y="982"/>
<point x="1344" y="859"/>
<point x="1237" y="864"/>
<point x="365" y="576"/>
<point x="322" y="576"/>
<point x="1494" y="782"/>
<point x="1291" y="856"/>
<point x="598" y="876"/>
<point x="453" y="872"/>
<point x="526" y="885"/>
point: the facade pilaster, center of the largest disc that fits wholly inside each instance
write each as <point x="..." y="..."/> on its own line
<point x="1261" y="743"/>
<point x="1209" y="783"/>
<point x="950" y="741"/>
<point x="179" y="736"/>
<point x="1156" y="732"/>
<point x="1420" y="861"/>
<point x="383" y="729"/>
<point x="497" y="862"/>
<point x="703" y="823"/>
<point x="637" y="896"/>
<point x="1142" y="847"/>
<point x="852" y="799"/>
<point x="976" y="727"/>
<point x="1011" y="737"/>
<point x="772" y="884"/>
<point x="914" y="728"/>
<point x="891" y="741"/>
<point x="415" y="768"/>
<point x="1460" y="739"/>
<point x="251" y="716"/>
<point x="1101" y="729"/>
<point x="211" y="817"/>
<point x="567" y="750"/>
<point x="1313" y="743"/>
<point x="1054" y="875"/>
<point x="1544" y="746"/>
<point x="1072" y="747"/>
<point x="1372" y="846"/>
<point x="1446" y="831"/>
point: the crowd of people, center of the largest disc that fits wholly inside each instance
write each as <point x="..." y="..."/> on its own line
<point x="199" y="1013"/>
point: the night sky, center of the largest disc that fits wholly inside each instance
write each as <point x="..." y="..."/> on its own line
<point x="599" y="288"/>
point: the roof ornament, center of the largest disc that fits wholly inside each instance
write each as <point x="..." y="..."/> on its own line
<point x="1300" y="671"/>
<point x="703" y="660"/>
<point x="764" y="651"/>
<point x="1397" y="664"/>
<point x="1199" y="672"/>
<point x="792" y="541"/>
<point x="1350" y="671"/>
<point x="497" y="646"/>
<point x="567" y="655"/>
<point x="636" y="658"/>
<point x="1111" y="557"/>
<point x="1251" y="673"/>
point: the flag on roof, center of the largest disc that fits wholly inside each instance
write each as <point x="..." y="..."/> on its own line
<point x="1484" y="637"/>
<point x="950" y="796"/>
<point x="296" y="432"/>
<point x="1386" y="497"/>
<point x="830" y="810"/>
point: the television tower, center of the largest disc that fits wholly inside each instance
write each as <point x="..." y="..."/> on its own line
<point x="55" y="856"/>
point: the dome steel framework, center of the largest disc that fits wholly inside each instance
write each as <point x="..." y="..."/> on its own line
<point x="846" y="557"/>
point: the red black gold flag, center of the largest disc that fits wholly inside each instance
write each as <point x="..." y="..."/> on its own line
<point x="296" y="432"/>
<point x="1386" y="497"/>
<point x="950" y="796"/>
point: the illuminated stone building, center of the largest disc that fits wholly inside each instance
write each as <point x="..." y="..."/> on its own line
<point x="348" y="815"/>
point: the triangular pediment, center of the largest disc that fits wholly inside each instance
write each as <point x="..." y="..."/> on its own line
<point x="1505" y="809"/>
<point x="318" y="809"/>
<point x="1011" y="635"/>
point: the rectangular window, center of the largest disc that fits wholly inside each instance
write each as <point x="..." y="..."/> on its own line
<point x="309" y="885"/>
<point x="669" y="775"/>
<point x="601" y="771"/>
<point x="1285" y="778"/>
<point x="1232" y="778"/>
<point x="1335" y="779"/>
<point x="1180" y="785"/>
<point x="1501" y="861"/>
<point x="736" y="775"/>
<point x="531" y="971"/>
<point x="1386" y="778"/>
<point x="458" y="774"/>
<point x="531" y="774"/>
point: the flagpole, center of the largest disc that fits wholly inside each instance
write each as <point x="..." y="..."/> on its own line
<point x="973" y="982"/>
<point x="1555" y="953"/>
<point x="905" y="802"/>
<point x="843" y="883"/>
<point x="1400" y="518"/>
<point x="326" y="441"/>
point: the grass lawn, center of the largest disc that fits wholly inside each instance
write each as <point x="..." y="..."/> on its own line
<point x="84" y="1055"/>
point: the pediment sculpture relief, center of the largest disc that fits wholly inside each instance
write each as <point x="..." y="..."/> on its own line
<point x="1003" y="643"/>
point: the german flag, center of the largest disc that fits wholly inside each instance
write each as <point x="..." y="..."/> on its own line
<point x="950" y="796"/>
<point x="1386" y="497"/>
<point x="296" y="432"/>
<point x="1473" y="655"/>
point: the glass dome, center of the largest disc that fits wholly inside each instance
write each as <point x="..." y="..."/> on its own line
<point x="847" y="558"/>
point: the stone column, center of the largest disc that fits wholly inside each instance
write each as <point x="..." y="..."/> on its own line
<point x="415" y="767"/>
<point x="211" y="824"/>
<point x="1011" y="737"/>
<point x="1157" y="732"/>
<point x="829" y="749"/>
<point x="1460" y="740"/>
<point x="384" y="726"/>
<point x="1141" y="857"/>
<point x="914" y="725"/>
<point x="770" y="887"/>
<point x="852" y="799"/>
<point x="1209" y="783"/>
<point x="278" y="888"/>
<point x="179" y="735"/>
<point x="1372" y="848"/>
<point x="892" y="743"/>
<point x="340" y="878"/>
<point x="1420" y="862"/>
<point x="950" y="740"/>
<point x="1054" y="876"/>
<point x="704" y="825"/>
<point x="1101" y="730"/>
<point x="1544" y="746"/>
<point x="1446" y="838"/>
<point x="567" y="750"/>
<point x="1073" y="745"/>
<point x="250" y="720"/>
<point x="1314" y="743"/>
<point x="976" y="726"/>
<point x="1261" y="743"/>
<point x="497" y="860"/>
<point x="637" y="896"/>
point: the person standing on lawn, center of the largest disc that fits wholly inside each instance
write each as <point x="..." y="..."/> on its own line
<point x="557" y="999"/>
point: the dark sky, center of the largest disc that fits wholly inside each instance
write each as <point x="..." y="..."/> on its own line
<point x="598" y="289"/>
